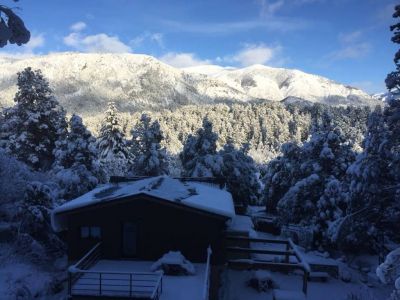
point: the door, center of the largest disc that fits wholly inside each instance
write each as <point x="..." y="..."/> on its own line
<point x="129" y="239"/>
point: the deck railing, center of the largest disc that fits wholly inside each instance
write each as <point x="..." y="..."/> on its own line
<point x="84" y="282"/>
<point x="143" y="285"/>
<point x="87" y="261"/>
<point x="206" y="288"/>
<point x="291" y="250"/>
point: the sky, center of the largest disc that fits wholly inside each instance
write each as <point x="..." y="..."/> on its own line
<point x="344" y="40"/>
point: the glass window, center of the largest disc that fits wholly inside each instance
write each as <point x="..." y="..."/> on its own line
<point x="95" y="232"/>
<point x="92" y="232"/>
<point x="84" y="232"/>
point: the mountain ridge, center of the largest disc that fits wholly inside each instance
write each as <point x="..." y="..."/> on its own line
<point x="84" y="83"/>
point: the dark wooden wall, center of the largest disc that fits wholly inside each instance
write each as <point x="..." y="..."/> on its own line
<point x="161" y="228"/>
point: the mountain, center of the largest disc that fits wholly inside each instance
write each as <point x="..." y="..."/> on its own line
<point x="84" y="83"/>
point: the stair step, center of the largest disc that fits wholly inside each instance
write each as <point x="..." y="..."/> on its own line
<point x="288" y="295"/>
<point x="318" y="276"/>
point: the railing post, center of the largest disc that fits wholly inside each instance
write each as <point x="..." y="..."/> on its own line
<point x="287" y="253"/>
<point x="305" y="281"/>
<point x="100" y="284"/>
<point x="69" y="284"/>
<point x="130" y="284"/>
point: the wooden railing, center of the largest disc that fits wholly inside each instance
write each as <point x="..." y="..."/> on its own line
<point x="84" y="282"/>
<point x="290" y="250"/>
<point x="206" y="288"/>
<point x="87" y="261"/>
<point x="143" y="285"/>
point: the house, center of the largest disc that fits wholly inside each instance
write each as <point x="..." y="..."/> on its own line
<point x="143" y="219"/>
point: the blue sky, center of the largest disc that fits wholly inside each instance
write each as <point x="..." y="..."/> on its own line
<point x="344" y="40"/>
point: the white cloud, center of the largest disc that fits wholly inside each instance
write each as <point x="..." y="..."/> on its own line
<point x="252" y="54"/>
<point x="226" y="28"/>
<point x="352" y="47"/>
<point x="27" y="50"/>
<point x="96" y="43"/>
<point x="36" y="41"/>
<point x="353" y="51"/>
<point x="269" y="8"/>
<point x="79" y="26"/>
<point x="350" y="37"/>
<point x="156" y="37"/>
<point x="183" y="60"/>
<point x="370" y="86"/>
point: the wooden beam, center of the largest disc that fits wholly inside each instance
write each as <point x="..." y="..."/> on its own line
<point x="259" y="251"/>
<point x="255" y="240"/>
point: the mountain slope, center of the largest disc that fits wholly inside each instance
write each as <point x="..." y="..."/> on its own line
<point x="84" y="83"/>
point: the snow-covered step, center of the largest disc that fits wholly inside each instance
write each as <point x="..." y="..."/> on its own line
<point x="318" y="276"/>
<point x="288" y="295"/>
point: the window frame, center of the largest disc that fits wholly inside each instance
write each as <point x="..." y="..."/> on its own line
<point x="92" y="232"/>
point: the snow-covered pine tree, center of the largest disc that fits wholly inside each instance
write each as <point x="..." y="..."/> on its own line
<point x="35" y="210"/>
<point x="240" y="174"/>
<point x="330" y="208"/>
<point x="76" y="166"/>
<point x="113" y="150"/>
<point x="33" y="125"/>
<point x="367" y="176"/>
<point x="150" y="157"/>
<point x="199" y="155"/>
<point x="393" y="79"/>
<point x="282" y="173"/>
<point x="325" y="156"/>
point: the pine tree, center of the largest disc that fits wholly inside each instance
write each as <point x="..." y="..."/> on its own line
<point x="199" y="155"/>
<point x="367" y="176"/>
<point x="240" y="174"/>
<point x="76" y="165"/>
<point x="113" y="150"/>
<point x="282" y="173"/>
<point x="150" y="157"/>
<point x="393" y="78"/>
<point x="322" y="160"/>
<point x="330" y="208"/>
<point x="32" y="127"/>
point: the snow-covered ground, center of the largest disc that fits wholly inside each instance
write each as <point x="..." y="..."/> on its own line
<point x="359" y="271"/>
<point x="333" y="289"/>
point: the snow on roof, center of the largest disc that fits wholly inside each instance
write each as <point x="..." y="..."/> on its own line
<point x="193" y="194"/>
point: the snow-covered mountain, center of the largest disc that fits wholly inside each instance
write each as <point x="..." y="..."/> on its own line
<point x="84" y="83"/>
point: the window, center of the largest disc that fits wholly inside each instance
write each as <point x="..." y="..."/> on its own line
<point x="90" y="232"/>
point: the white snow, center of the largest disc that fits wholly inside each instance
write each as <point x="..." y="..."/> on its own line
<point x="78" y="77"/>
<point x="192" y="194"/>
<point x="174" y="258"/>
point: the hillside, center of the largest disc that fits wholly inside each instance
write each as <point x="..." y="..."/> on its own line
<point x="84" y="83"/>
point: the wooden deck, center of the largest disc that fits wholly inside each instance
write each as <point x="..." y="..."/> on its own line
<point x="86" y="282"/>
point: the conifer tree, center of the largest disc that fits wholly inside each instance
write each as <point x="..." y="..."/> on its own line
<point x="393" y="78"/>
<point x="150" y="157"/>
<point x="240" y="174"/>
<point x="367" y="176"/>
<point x="36" y="121"/>
<point x="282" y="173"/>
<point x="76" y="165"/>
<point x="322" y="160"/>
<point x="199" y="155"/>
<point x="114" y="154"/>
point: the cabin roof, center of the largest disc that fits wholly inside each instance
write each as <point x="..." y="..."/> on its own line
<point x="186" y="193"/>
